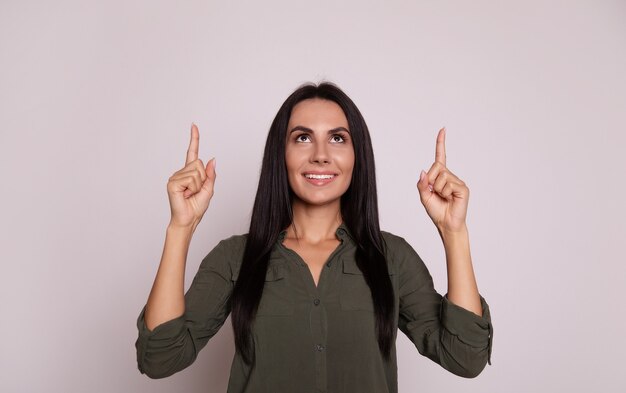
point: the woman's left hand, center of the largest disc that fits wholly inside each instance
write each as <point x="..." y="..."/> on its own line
<point x="444" y="195"/>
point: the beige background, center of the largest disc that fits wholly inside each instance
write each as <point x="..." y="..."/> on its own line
<point x="96" y="100"/>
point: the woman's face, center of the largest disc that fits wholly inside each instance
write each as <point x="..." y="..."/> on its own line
<point x="319" y="145"/>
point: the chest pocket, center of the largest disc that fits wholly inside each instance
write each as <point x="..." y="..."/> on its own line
<point x="354" y="293"/>
<point x="277" y="298"/>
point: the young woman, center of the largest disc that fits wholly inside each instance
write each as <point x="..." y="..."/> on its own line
<point x="316" y="291"/>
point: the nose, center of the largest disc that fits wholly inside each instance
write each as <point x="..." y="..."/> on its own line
<point x="320" y="154"/>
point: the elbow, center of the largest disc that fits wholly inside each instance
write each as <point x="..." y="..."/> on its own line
<point x="468" y="364"/>
<point x="163" y="357"/>
<point x="464" y="360"/>
<point x="472" y="372"/>
<point x="155" y="373"/>
<point x="165" y="367"/>
<point x="471" y="369"/>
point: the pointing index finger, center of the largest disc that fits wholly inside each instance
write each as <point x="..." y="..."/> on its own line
<point x="440" y="150"/>
<point x="192" y="151"/>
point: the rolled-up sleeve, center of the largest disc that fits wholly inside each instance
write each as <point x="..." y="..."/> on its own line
<point x="452" y="336"/>
<point x="175" y="344"/>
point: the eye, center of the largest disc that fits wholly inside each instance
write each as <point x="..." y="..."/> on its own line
<point x="300" y="136"/>
<point x="341" y="139"/>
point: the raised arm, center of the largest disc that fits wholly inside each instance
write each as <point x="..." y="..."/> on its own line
<point x="189" y="191"/>
<point x="445" y="198"/>
<point x="455" y="330"/>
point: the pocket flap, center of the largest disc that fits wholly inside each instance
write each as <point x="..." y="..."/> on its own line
<point x="350" y="267"/>
<point x="273" y="273"/>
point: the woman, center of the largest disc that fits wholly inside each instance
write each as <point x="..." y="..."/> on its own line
<point x="317" y="291"/>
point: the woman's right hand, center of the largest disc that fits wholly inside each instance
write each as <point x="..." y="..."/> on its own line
<point x="190" y="189"/>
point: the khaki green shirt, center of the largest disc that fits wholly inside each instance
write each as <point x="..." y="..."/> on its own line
<point x="321" y="338"/>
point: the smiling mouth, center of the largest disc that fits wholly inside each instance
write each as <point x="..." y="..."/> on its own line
<point x="318" y="177"/>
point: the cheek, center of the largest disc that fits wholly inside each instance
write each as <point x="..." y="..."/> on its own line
<point x="348" y="162"/>
<point x="289" y="160"/>
<point x="293" y="167"/>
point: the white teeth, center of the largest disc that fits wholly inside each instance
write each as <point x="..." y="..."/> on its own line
<point x="310" y="176"/>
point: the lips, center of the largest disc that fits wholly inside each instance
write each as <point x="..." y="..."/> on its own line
<point x="319" y="178"/>
<point x="319" y="173"/>
<point x="315" y="177"/>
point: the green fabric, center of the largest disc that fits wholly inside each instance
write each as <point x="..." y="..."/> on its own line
<point x="318" y="339"/>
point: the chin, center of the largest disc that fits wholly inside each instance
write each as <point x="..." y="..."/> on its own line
<point x="306" y="194"/>
<point x="319" y="201"/>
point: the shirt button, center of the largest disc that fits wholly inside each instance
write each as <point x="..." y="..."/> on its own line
<point x="316" y="302"/>
<point x="319" y="347"/>
<point x="328" y="264"/>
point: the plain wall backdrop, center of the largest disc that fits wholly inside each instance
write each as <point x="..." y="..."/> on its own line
<point x="96" y="101"/>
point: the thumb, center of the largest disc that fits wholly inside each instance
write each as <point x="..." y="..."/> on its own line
<point x="423" y="187"/>
<point x="209" y="183"/>
<point x="210" y="167"/>
<point x="422" y="184"/>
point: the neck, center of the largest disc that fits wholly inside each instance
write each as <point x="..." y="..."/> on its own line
<point x="314" y="224"/>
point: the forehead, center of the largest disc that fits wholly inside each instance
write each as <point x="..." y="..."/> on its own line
<point x="317" y="110"/>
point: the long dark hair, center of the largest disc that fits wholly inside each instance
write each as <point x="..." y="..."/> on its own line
<point x="272" y="213"/>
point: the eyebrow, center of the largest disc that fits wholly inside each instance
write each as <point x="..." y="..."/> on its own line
<point x="302" y="128"/>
